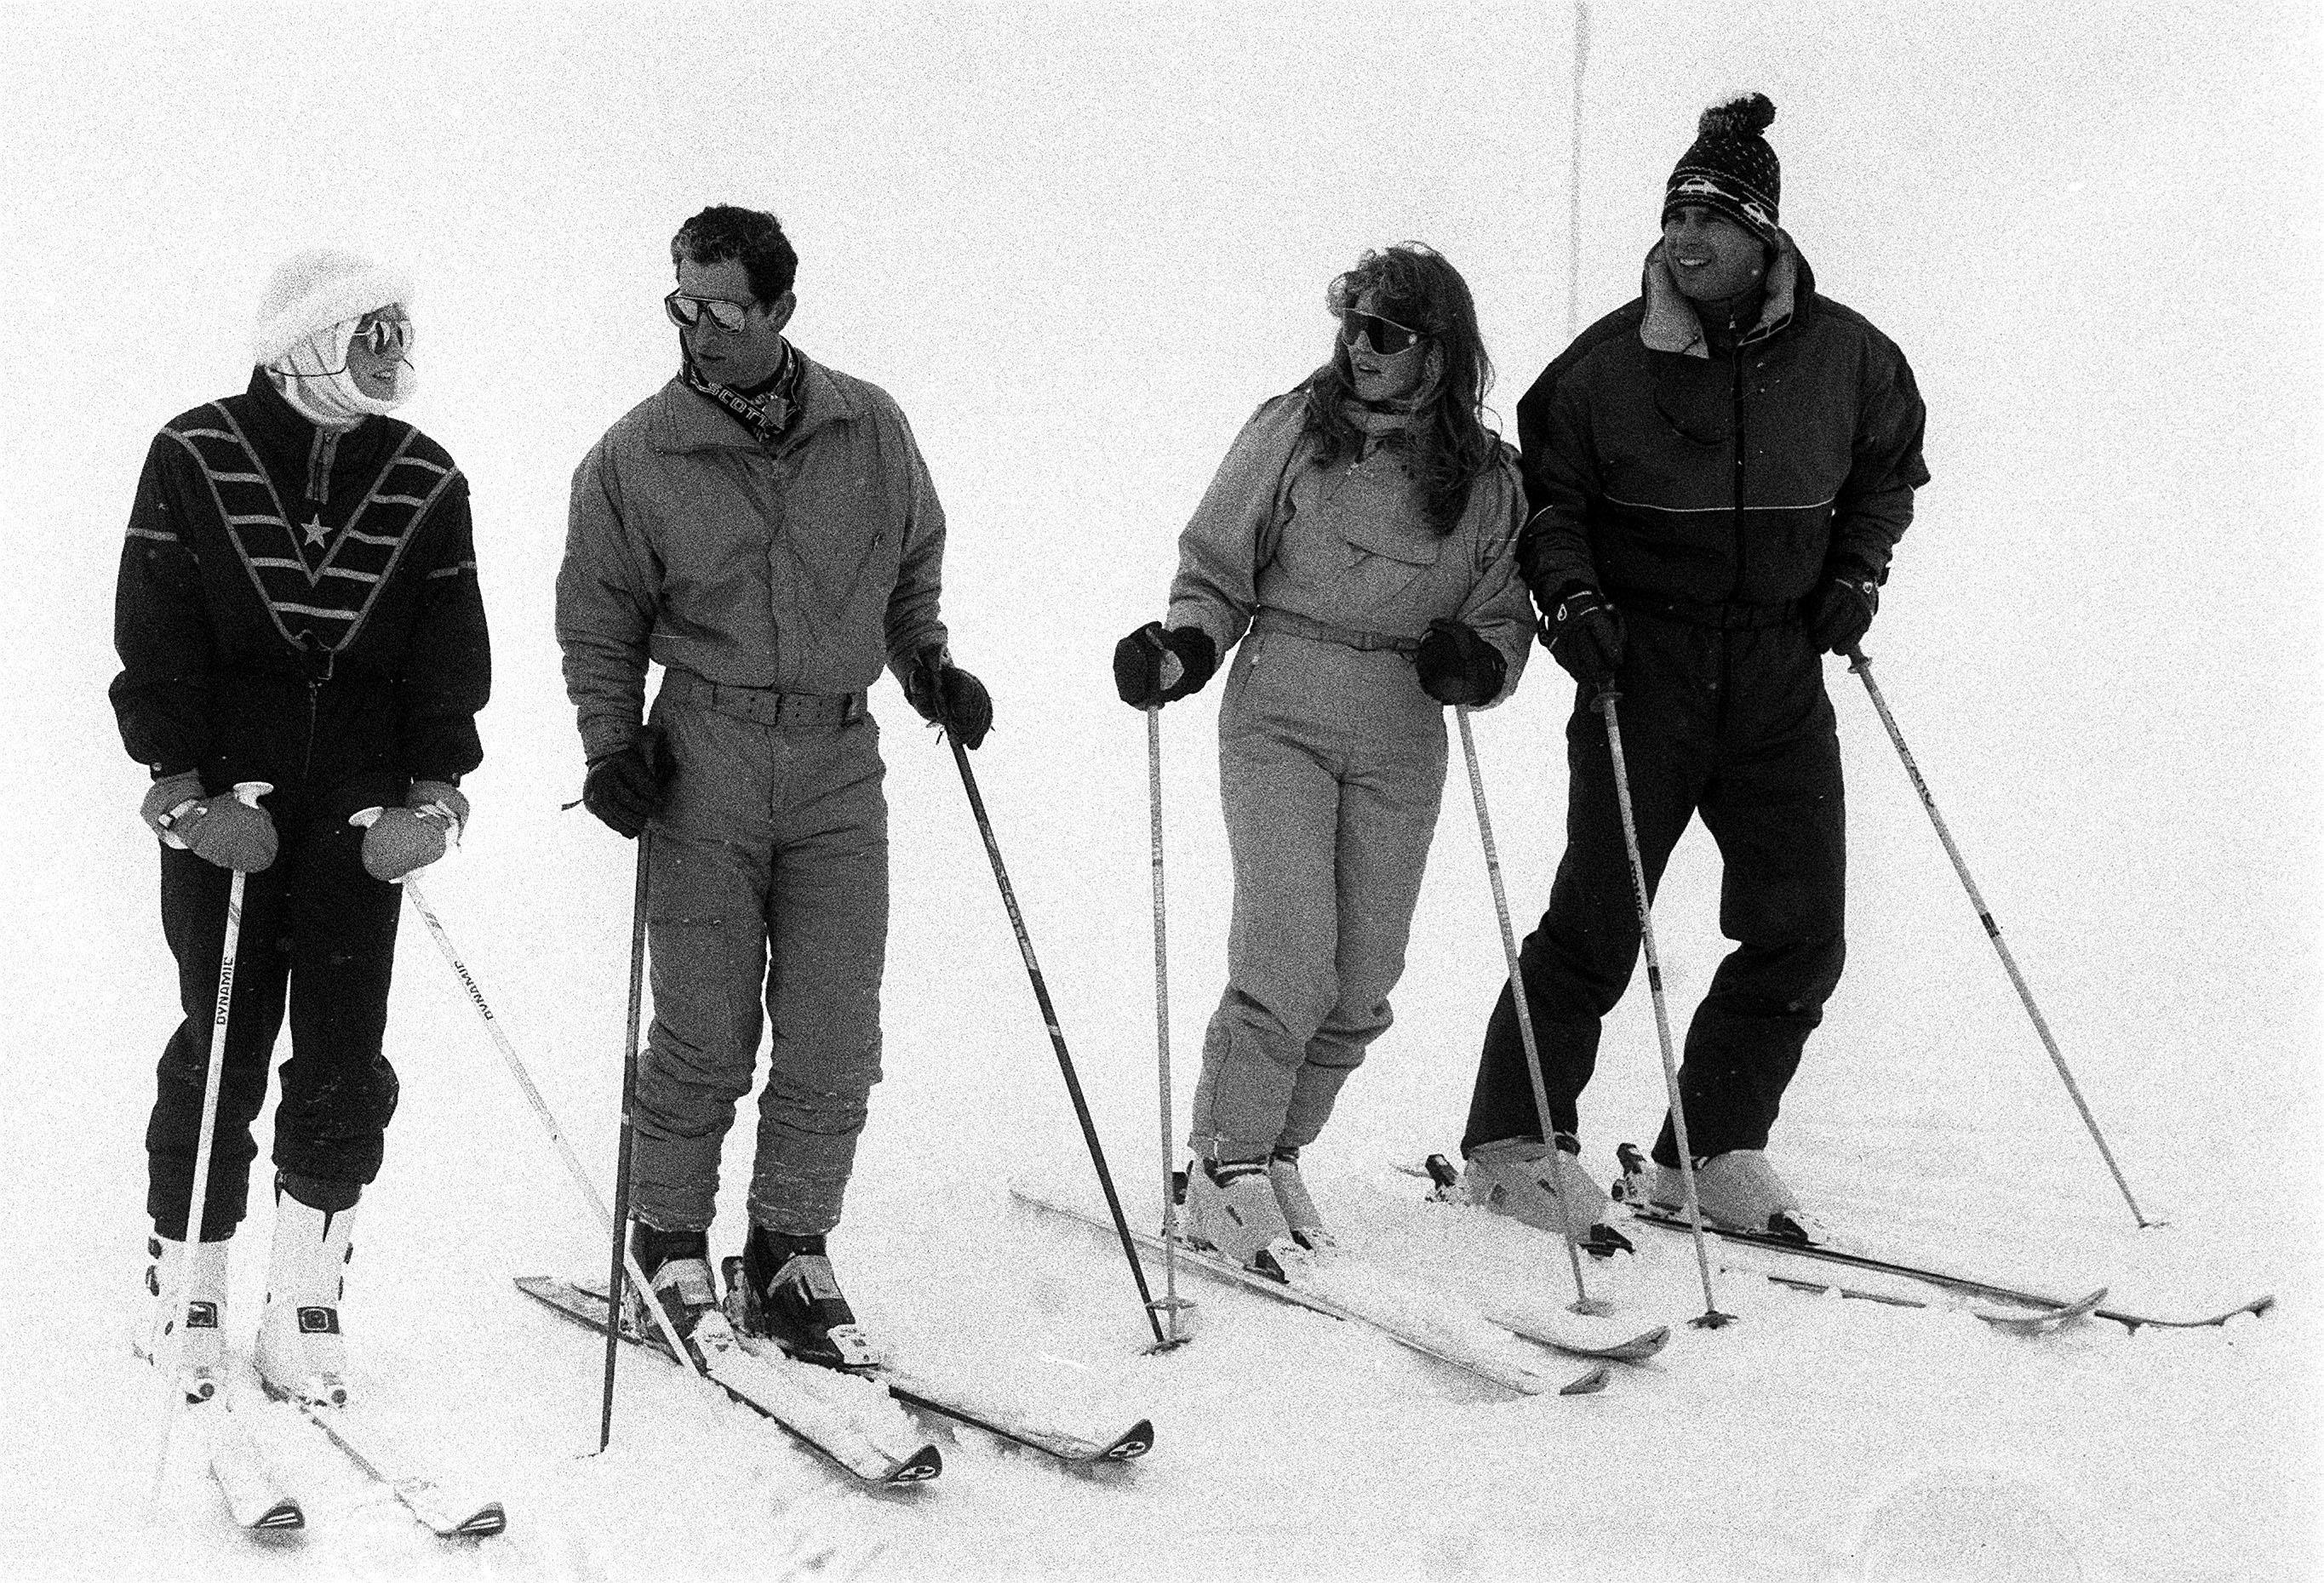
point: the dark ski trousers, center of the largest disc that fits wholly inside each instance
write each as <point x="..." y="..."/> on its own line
<point x="1735" y="726"/>
<point x="318" y="938"/>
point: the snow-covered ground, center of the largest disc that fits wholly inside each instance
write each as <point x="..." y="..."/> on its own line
<point x="1079" y="244"/>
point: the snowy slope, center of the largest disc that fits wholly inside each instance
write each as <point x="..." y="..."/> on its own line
<point x="1078" y="247"/>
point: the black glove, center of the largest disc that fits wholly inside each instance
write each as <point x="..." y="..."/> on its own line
<point x="1457" y="666"/>
<point x="625" y="789"/>
<point x="1584" y="634"/>
<point x="1137" y="663"/>
<point x="948" y="696"/>
<point x="1841" y="611"/>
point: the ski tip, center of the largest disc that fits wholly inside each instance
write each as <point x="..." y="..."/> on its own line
<point x="283" y="1515"/>
<point x="1134" y="1442"/>
<point x="922" y="1466"/>
<point x="1588" y="1384"/>
<point x="489" y="1520"/>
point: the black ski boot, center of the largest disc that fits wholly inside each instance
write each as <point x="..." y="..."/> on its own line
<point x="677" y="1266"/>
<point x="786" y="1291"/>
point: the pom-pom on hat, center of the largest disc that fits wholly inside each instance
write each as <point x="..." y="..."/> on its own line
<point x="317" y="288"/>
<point x="1730" y="168"/>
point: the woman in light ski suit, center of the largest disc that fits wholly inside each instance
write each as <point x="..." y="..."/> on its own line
<point x="1361" y="533"/>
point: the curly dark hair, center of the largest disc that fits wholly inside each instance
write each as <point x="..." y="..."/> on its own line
<point x="752" y="236"/>
<point x="1415" y="285"/>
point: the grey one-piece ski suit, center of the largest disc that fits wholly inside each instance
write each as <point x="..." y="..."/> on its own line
<point x="1330" y="756"/>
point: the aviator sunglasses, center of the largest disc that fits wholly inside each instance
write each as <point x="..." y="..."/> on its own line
<point x="383" y="334"/>
<point x="1384" y="335"/>
<point x="686" y="311"/>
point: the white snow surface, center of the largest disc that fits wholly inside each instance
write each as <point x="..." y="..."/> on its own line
<point x="1079" y="246"/>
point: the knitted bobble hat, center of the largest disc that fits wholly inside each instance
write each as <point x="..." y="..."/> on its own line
<point x="1730" y="168"/>
<point x="317" y="288"/>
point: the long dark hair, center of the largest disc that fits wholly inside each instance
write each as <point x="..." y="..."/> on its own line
<point x="1450" y="447"/>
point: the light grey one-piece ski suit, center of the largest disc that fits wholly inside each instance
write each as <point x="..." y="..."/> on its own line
<point x="1330" y="756"/>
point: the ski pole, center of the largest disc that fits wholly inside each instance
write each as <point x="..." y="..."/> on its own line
<point x="516" y="1069"/>
<point x="1056" y="1034"/>
<point x="1172" y="1304"/>
<point x="1582" y="1302"/>
<point x="1862" y="667"/>
<point x="197" y="1196"/>
<point x="622" y="1155"/>
<point x="1710" y="1319"/>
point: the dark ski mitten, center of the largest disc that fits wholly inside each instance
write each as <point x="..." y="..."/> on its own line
<point x="1840" y="611"/>
<point x="1457" y="666"/>
<point x="625" y="788"/>
<point x="1584" y="634"/>
<point x="946" y="695"/>
<point x="1140" y="659"/>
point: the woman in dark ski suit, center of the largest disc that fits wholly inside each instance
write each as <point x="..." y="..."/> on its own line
<point x="1717" y="474"/>
<point x="1361" y="532"/>
<point x="297" y="605"/>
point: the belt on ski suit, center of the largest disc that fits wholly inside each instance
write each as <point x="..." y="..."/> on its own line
<point x="1720" y="615"/>
<point x="1270" y="620"/>
<point x="764" y="705"/>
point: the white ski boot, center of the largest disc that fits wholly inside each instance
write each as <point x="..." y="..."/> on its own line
<point x="193" y="1291"/>
<point x="1545" y="1187"/>
<point x="1231" y="1209"/>
<point x="1740" y="1190"/>
<point x="300" y="1353"/>
<point x="1306" y="1227"/>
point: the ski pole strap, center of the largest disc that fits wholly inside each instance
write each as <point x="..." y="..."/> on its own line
<point x="1291" y="625"/>
<point x="764" y="705"/>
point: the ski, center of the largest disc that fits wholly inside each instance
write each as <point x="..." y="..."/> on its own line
<point x="1562" y="1332"/>
<point x="2038" y="1322"/>
<point x="254" y="1492"/>
<point x="380" y="1455"/>
<point x="812" y="1410"/>
<point x="962" y="1400"/>
<point x="2042" y="1319"/>
<point x="1307" y="1285"/>
<point x="2062" y="1309"/>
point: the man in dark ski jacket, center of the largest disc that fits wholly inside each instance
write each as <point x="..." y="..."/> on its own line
<point x="298" y="605"/>
<point x="1716" y="476"/>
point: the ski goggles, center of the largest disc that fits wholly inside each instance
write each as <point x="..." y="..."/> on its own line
<point x="686" y="311"/>
<point x="1384" y="335"/>
<point x="382" y="332"/>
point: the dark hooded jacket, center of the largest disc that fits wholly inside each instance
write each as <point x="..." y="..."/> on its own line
<point x="1658" y="468"/>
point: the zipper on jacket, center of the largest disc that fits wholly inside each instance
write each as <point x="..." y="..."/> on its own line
<point x="320" y="455"/>
<point x="1737" y="427"/>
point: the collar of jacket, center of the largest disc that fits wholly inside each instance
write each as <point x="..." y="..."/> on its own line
<point x="1672" y="324"/>
<point x="296" y="447"/>
<point x="690" y="422"/>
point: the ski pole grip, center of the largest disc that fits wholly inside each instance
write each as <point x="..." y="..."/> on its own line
<point x="250" y="791"/>
<point x="1857" y="658"/>
<point x="364" y="818"/>
<point x="1608" y="694"/>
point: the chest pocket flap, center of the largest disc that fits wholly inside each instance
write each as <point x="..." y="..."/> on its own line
<point x="1411" y="544"/>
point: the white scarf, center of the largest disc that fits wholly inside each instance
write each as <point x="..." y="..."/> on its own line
<point x="313" y="377"/>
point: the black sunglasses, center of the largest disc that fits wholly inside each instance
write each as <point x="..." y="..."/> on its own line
<point x="1384" y="335"/>
<point x="686" y="311"/>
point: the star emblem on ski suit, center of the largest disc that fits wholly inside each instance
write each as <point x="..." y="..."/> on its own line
<point x="313" y="529"/>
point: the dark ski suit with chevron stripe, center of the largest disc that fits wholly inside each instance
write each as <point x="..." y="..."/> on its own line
<point x="299" y="607"/>
<point x="1707" y="490"/>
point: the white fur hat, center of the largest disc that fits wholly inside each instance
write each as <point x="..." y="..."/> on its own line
<point x="317" y="288"/>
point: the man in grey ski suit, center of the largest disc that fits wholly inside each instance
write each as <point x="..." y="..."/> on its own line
<point x="764" y="528"/>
